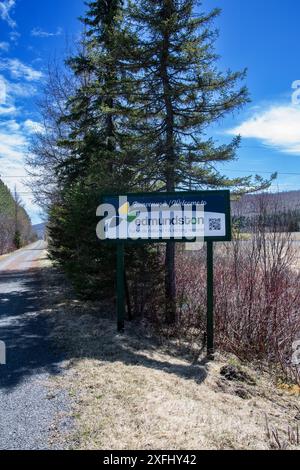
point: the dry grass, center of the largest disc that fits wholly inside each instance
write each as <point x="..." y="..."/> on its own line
<point x="130" y="392"/>
<point x="6" y="255"/>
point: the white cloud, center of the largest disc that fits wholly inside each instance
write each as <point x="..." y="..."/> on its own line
<point x="6" y="105"/>
<point x="11" y="125"/>
<point x="23" y="90"/>
<point x="19" y="70"/>
<point x="7" y="110"/>
<point x="14" y="36"/>
<point x="6" y="7"/>
<point x="32" y="126"/>
<point x="9" y="91"/>
<point x="12" y="144"/>
<point x="14" y="138"/>
<point x="39" y="33"/>
<point x="277" y="126"/>
<point x="4" y="46"/>
<point x="15" y="128"/>
<point x="2" y="90"/>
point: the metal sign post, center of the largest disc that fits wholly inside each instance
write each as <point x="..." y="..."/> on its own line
<point x="161" y="217"/>
<point x="210" y="299"/>
<point x="120" y="286"/>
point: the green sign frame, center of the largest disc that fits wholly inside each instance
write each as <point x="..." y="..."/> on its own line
<point x="212" y="198"/>
<point x="206" y="196"/>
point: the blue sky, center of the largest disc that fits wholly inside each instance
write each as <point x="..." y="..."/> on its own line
<point x="259" y="35"/>
<point x="263" y="36"/>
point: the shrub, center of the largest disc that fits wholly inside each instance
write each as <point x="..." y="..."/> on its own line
<point x="257" y="298"/>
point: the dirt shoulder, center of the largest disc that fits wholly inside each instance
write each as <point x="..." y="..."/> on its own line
<point x="130" y="392"/>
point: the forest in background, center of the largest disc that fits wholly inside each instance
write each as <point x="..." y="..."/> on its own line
<point x="281" y="211"/>
<point x="15" y="225"/>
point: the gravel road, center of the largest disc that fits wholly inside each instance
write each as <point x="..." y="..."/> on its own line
<point x="28" y="410"/>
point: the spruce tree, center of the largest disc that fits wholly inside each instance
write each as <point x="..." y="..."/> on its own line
<point x="99" y="148"/>
<point x="92" y="140"/>
<point x="94" y="157"/>
<point x="180" y="94"/>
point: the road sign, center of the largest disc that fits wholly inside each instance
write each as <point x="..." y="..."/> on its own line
<point x="154" y="217"/>
<point x="166" y="217"/>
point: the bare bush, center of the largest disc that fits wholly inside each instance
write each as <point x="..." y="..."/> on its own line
<point x="258" y="301"/>
<point x="257" y="295"/>
<point x="280" y="440"/>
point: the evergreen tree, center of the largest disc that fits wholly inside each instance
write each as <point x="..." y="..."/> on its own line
<point x="92" y="151"/>
<point x="180" y="94"/>
<point x="91" y="139"/>
<point x="99" y="148"/>
<point x="99" y="155"/>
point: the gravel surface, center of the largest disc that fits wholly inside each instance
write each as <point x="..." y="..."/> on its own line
<point x="31" y="416"/>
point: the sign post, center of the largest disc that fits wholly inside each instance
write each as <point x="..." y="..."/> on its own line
<point x="210" y="299"/>
<point x="120" y="286"/>
<point x="184" y="217"/>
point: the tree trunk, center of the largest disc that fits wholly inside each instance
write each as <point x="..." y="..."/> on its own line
<point x="170" y="279"/>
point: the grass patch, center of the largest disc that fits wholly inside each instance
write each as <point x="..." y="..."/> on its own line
<point x="132" y="392"/>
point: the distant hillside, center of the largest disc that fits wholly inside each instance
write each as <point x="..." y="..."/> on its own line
<point x="15" y="224"/>
<point x="39" y="230"/>
<point x="274" y="211"/>
<point x="288" y="201"/>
